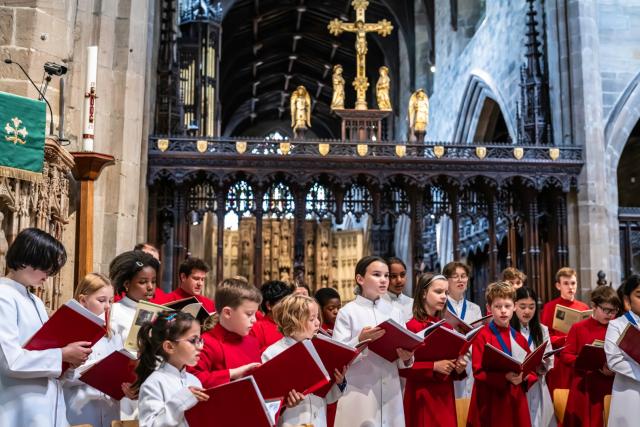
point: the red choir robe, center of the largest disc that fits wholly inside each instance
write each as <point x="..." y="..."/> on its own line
<point x="159" y="294"/>
<point x="429" y="397"/>
<point x="560" y="375"/>
<point x="327" y="328"/>
<point x="223" y="350"/>
<point x="588" y="389"/>
<point x="266" y="332"/>
<point x="179" y="294"/>
<point x="494" y="400"/>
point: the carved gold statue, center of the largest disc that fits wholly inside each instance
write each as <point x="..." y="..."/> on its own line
<point x="419" y="113"/>
<point x="382" y="89"/>
<point x="337" y="101"/>
<point x="361" y="28"/>
<point x="300" y="109"/>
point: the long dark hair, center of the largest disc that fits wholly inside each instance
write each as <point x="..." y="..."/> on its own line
<point x="168" y="325"/>
<point x="534" y="324"/>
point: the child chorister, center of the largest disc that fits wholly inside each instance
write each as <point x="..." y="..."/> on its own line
<point x="133" y="273"/>
<point x="329" y="300"/>
<point x="625" y="395"/>
<point x="167" y="390"/>
<point x="397" y="283"/>
<point x="429" y="398"/>
<point x="30" y="392"/>
<point x="496" y="395"/>
<point x="265" y="329"/>
<point x="85" y="404"/>
<point x="373" y="396"/>
<point x="457" y="274"/>
<point x="229" y="350"/>
<point x="585" y="403"/>
<point x="560" y="375"/>
<point x="298" y="318"/>
<point x="527" y="323"/>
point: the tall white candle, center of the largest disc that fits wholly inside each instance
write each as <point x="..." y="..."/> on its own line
<point x="88" y="121"/>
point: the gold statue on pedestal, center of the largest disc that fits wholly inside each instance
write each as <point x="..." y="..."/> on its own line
<point x="300" y="109"/>
<point x="361" y="28"/>
<point x="382" y="89"/>
<point x="419" y="114"/>
<point x="337" y="101"/>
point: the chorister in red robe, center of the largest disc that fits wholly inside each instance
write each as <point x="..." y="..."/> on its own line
<point x="588" y="389"/>
<point x="429" y="397"/>
<point x="179" y="294"/>
<point x="223" y="350"/>
<point x="494" y="400"/>
<point x="266" y="332"/>
<point x="560" y="375"/>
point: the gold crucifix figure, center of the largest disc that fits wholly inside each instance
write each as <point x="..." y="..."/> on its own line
<point x="361" y="28"/>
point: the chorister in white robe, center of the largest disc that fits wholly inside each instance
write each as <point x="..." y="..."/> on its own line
<point x="165" y="396"/>
<point x="402" y="303"/>
<point x="625" y="396"/>
<point x="122" y="314"/>
<point x="373" y="396"/>
<point x="85" y="404"/>
<point x="538" y="396"/>
<point x="313" y="409"/>
<point x="469" y="312"/>
<point x="30" y="393"/>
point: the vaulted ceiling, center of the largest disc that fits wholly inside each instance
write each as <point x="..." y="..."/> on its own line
<point x="269" y="47"/>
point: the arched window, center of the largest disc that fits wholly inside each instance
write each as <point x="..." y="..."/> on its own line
<point x="278" y="202"/>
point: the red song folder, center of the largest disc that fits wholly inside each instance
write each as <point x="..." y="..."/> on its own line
<point x="108" y="374"/>
<point x="70" y="323"/>
<point x="629" y="342"/>
<point x="591" y="358"/>
<point x="462" y="326"/>
<point x="238" y="403"/>
<point x="495" y="360"/>
<point x="297" y="368"/>
<point x="444" y="343"/>
<point x="395" y="336"/>
<point x="334" y="355"/>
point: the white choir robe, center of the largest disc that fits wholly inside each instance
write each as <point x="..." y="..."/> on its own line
<point x="402" y="303"/>
<point x="85" y="404"/>
<point x="30" y="392"/>
<point x="538" y="396"/>
<point x="313" y="409"/>
<point x="165" y="396"/>
<point x="373" y="396"/>
<point x="464" y="387"/>
<point x="625" y="396"/>
<point x="121" y="319"/>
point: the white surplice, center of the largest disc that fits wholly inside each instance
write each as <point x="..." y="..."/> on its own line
<point x="402" y="303"/>
<point x="122" y="314"/>
<point x="85" y="404"/>
<point x="538" y="396"/>
<point x="373" y="396"/>
<point x="313" y="409"/>
<point x="165" y="396"/>
<point x="625" y="395"/>
<point x="30" y="393"/>
<point x="463" y="387"/>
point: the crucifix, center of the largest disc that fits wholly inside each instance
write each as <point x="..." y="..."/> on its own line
<point x="361" y="28"/>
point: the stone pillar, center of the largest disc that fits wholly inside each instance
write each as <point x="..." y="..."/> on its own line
<point x="593" y="211"/>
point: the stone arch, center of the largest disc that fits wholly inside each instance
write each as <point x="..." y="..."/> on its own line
<point x="481" y="93"/>
<point x="623" y="118"/>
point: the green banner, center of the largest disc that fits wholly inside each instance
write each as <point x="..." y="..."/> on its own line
<point x="22" y="132"/>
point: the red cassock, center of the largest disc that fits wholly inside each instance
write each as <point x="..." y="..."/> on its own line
<point x="429" y="397"/>
<point x="179" y="294"/>
<point x="560" y="375"/>
<point x="223" y="350"/>
<point x="588" y="389"/>
<point x="266" y="332"/>
<point x="494" y="400"/>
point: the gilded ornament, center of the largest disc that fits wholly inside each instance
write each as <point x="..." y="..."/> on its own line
<point x="241" y="146"/>
<point x="337" y="100"/>
<point x="554" y="153"/>
<point x="518" y="153"/>
<point x="300" y="109"/>
<point x="162" y="144"/>
<point x="438" y="151"/>
<point x="362" y="149"/>
<point x="481" y="152"/>
<point x="202" y="145"/>
<point x="419" y="111"/>
<point x="323" y="149"/>
<point x="401" y="150"/>
<point x="382" y="89"/>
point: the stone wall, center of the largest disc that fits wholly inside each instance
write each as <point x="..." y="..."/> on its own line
<point x="35" y="31"/>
